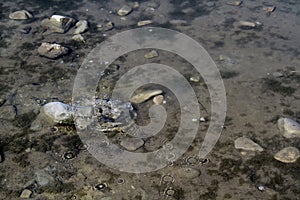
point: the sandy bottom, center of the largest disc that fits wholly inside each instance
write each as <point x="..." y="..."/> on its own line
<point x="246" y="57"/>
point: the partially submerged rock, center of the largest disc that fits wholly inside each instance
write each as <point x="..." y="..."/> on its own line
<point x="158" y="99"/>
<point x="52" y="50"/>
<point x="145" y="95"/>
<point x="58" y="23"/>
<point x="58" y="112"/>
<point x="132" y="144"/>
<point x="151" y="54"/>
<point x="287" y="155"/>
<point x="288" y="128"/>
<point x="78" y="38"/>
<point x="106" y="27"/>
<point x="81" y="27"/>
<point x="124" y="10"/>
<point x="246" y="144"/>
<point x="20" y="15"/>
<point x="26" y="194"/>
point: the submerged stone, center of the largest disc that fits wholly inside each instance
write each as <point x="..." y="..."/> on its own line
<point x="288" y="128"/>
<point x="188" y="172"/>
<point x="58" y="112"/>
<point x="81" y="27"/>
<point x="52" y="51"/>
<point x="145" y="95"/>
<point x="125" y="10"/>
<point x="20" y="15"/>
<point x="144" y="22"/>
<point x="151" y="54"/>
<point x="246" y="144"/>
<point x="25" y="194"/>
<point x="132" y="144"/>
<point x="287" y="155"/>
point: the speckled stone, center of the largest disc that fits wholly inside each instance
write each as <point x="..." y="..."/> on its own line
<point x="287" y="155"/>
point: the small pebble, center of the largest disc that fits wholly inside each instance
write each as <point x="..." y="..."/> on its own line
<point x="125" y="10"/>
<point x="277" y="74"/>
<point x="202" y="119"/>
<point x="158" y="99"/>
<point x="195" y="79"/>
<point x="144" y="22"/>
<point x="101" y="186"/>
<point x="20" y="15"/>
<point x="287" y="155"/>
<point x="25" y="194"/>
<point x="69" y="155"/>
<point x="151" y="54"/>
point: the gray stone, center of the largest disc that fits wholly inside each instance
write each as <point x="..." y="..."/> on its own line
<point x="58" y="23"/>
<point x="58" y="112"/>
<point x="81" y="27"/>
<point x="132" y="144"/>
<point x="277" y="74"/>
<point x="125" y="10"/>
<point x="52" y="51"/>
<point x="43" y="178"/>
<point x="25" y="194"/>
<point x="287" y="155"/>
<point x="246" y="144"/>
<point x="288" y="128"/>
<point x="20" y="15"/>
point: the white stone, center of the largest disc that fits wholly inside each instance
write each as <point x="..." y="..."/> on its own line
<point x="81" y="27"/>
<point x="287" y="155"/>
<point x="246" y="144"/>
<point x="20" y="15"/>
<point x="58" y="112"/>
<point x="288" y="128"/>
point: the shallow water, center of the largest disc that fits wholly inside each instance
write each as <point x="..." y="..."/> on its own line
<point x="53" y="163"/>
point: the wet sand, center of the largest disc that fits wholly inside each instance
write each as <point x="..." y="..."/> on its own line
<point x="246" y="58"/>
